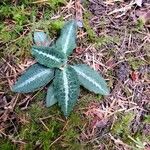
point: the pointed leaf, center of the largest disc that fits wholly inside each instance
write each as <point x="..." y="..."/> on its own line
<point x="66" y="89"/>
<point x="41" y="39"/>
<point x="34" y="78"/>
<point x="50" y="98"/>
<point x="48" y="57"/>
<point x="67" y="40"/>
<point x="91" y="80"/>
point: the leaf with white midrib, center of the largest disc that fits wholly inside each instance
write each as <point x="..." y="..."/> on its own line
<point x="91" y="80"/>
<point x="33" y="78"/>
<point x="67" y="40"/>
<point x="48" y="57"/>
<point x="66" y="89"/>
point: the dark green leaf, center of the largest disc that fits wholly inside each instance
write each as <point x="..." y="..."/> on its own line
<point x="67" y="40"/>
<point x="35" y="77"/>
<point x="50" y="98"/>
<point x="48" y="57"/>
<point x="91" y="80"/>
<point x="66" y="89"/>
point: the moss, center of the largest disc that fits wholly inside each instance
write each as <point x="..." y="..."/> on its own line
<point x="135" y="63"/>
<point x="93" y="37"/>
<point x="147" y="119"/>
<point x="57" y="25"/>
<point x="140" y="24"/>
<point x="40" y="95"/>
<point x="17" y="23"/>
<point x="7" y="145"/>
<point x="21" y="21"/>
<point x="121" y="127"/>
<point x="90" y="32"/>
<point x="87" y="98"/>
<point x="34" y="133"/>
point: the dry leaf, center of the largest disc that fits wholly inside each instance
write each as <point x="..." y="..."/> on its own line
<point x="135" y="75"/>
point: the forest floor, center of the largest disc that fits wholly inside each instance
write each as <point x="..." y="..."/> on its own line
<point x="114" y="40"/>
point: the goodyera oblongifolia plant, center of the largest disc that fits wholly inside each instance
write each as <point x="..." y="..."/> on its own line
<point x="52" y="65"/>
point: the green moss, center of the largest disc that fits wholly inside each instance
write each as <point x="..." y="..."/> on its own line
<point x="121" y="127"/>
<point x="90" y="32"/>
<point x="88" y="98"/>
<point x="70" y="140"/>
<point x="57" y="25"/>
<point x="5" y="35"/>
<point x="34" y="132"/>
<point x="93" y="37"/>
<point x="135" y="63"/>
<point x="17" y="23"/>
<point x="7" y="145"/>
<point x="55" y="3"/>
<point x="147" y="119"/>
<point x="140" y="24"/>
<point x="137" y="143"/>
<point x="21" y="20"/>
<point x="40" y="95"/>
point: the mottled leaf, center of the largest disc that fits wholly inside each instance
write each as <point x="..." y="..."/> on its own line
<point x="66" y="89"/>
<point x="33" y="78"/>
<point x="91" y="80"/>
<point x="50" y="98"/>
<point x="67" y="40"/>
<point x="48" y="57"/>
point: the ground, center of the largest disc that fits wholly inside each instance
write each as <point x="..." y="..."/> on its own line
<point x="114" y="41"/>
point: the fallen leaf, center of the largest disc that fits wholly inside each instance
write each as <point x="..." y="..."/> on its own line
<point x="135" y="75"/>
<point x="79" y="50"/>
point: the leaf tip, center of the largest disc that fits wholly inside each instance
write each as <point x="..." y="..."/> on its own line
<point x="14" y="88"/>
<point x="107" y="92"/>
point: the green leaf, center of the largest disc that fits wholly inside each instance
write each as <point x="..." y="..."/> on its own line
<point x="35" y="77"/>
<point x="67" y="40"/>
<point x="48" y="57"/>
<point x="50" y="98"/>
<point x="66" y="89"/>
<point x="91" y="80"/>
<point x="41" y="39"/>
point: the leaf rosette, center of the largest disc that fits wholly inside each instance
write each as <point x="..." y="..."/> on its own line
<point x="52" y="65"/>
